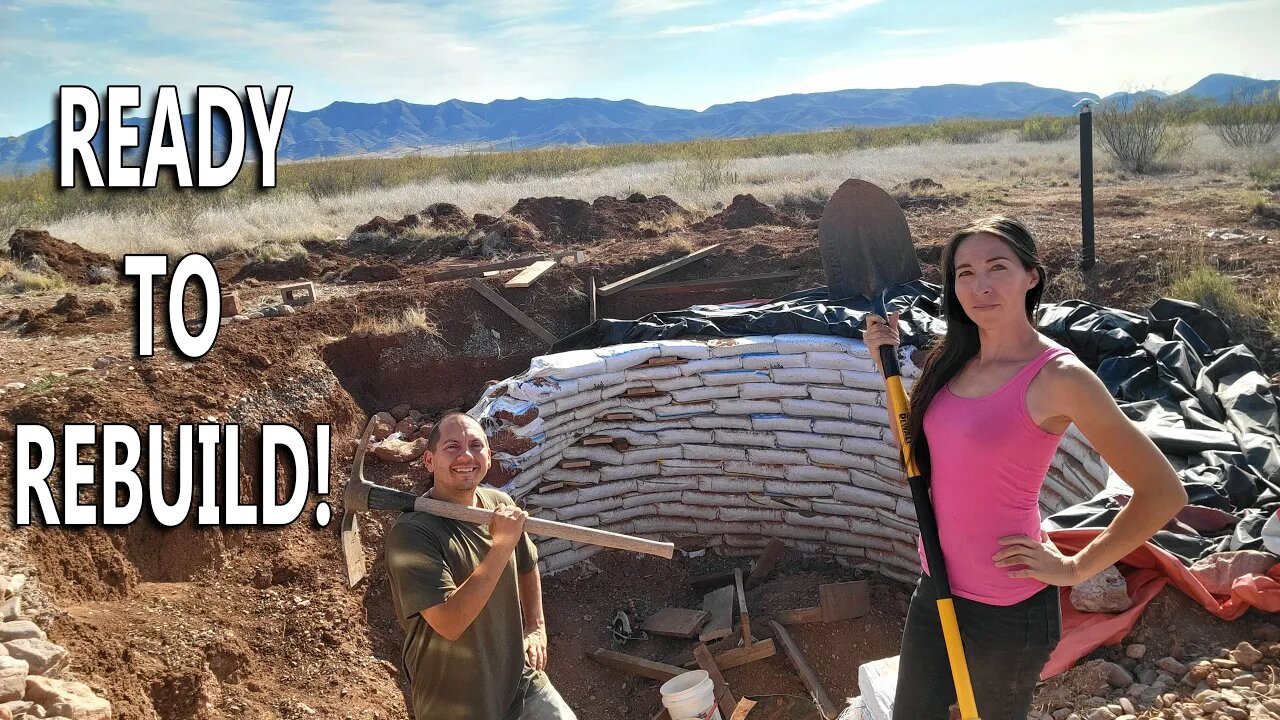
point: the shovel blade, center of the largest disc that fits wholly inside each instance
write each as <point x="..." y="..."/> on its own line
<point x="865" y="242"/>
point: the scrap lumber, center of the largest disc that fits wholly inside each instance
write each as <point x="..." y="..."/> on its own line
<point x="620" y="416"/>
<point x="765" y="563"/>
<point x="574" y="464"/>
<point x="530" y="275"/>
<point x="661" y="361"/>
<point x="805" y="672"/>
<point x="641" y="392"/>
<point x="724" y="698"/>
<point x="739" y="656"/>
<point x="597" y="440"/>
<point x="529" y="323"/>
<point x="743" y="707"/>
<point x="743" y="617"/>
<point x="715" y="283"/>
<point x="676" y="622"/>
<point x="798" y="616"/>
<point x="719" y="603"/>
<point x="662" y="269"/>
<point x="474" y="271"/>
<point x="841" y="601"/>
<point x="634" y="665"/>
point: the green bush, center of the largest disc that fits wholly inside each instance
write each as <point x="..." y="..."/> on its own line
<point x="1147" y="129"/>
<point x="1047" y="128"/>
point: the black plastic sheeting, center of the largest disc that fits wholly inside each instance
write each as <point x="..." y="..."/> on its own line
<point x="1205" y="402"/>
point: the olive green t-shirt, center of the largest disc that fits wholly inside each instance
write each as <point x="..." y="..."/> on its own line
<point x="483" y="674"/>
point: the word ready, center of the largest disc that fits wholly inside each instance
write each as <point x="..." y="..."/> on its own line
<point x="167" y="144"/>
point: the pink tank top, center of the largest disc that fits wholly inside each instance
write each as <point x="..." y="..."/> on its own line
<point x="988" y="461"/>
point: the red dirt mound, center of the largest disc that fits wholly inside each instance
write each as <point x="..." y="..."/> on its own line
<point x="297" y="267"/>
<point x="65" y="258"/>
<point x="622" y="218"/>
<point x="559" y="219"/>
<point x="745" y="211"/>
<point x="445" y="216"/>
<point x="565" y="221"/>
<point x="495" y="236"/>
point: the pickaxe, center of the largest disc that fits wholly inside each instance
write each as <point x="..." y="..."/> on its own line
<point x="362" y="495"/>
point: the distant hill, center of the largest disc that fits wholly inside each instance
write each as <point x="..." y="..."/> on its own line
<point x="397" y="127"/>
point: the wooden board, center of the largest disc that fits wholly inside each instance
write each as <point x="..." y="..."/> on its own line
<point x="530" y="275"/>
<point x="766" y="562"/>
<point x="573" y="464"/>
<point x="619" y="416"/>
<point x="641" y="392"/>
<point x="865" y="242"/>
<point x="479" y="270"/>
<point x="710" y="283"/>
<point x="742" y="709"/>
<point x="737" y="657"/>
<point x="636" y="666"/>
<point x="798" y="616"/>
<point x="662" y="361"/>
<point x="841" y="601"/>
<point x="676" y="622"/>
<point x="805" y="672"/>
<point x="662" y="269"/>
<point x="719" y="603"/>
<point x="597" y="440"/>
<point x="529" y="323"/>
<point x="743" y="617"/>
<point x="724" y="699"/>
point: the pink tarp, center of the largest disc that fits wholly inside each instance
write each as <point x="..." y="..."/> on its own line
<point x="1146" y="571"/>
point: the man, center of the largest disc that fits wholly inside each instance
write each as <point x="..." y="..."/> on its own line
<point x="469" y="597"/>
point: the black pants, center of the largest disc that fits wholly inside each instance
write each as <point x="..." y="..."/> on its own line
<point x="1006" y="648"/>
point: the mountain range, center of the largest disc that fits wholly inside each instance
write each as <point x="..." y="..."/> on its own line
<point x="398" y="127"/>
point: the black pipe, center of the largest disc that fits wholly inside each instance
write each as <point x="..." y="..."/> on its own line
<point x="1086" y="185"/>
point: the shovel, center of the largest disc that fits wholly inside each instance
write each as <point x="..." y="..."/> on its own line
<point x="866" y="233"/>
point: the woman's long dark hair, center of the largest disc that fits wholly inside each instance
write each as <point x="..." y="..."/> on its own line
<point x="960" y="343"/>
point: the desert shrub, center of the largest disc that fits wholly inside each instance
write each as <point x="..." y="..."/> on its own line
<point x="1246" y="120"/>
<point x="963" y="131"/>
<point x="414" y="319"/>
<point x="1047" y="128"/>
<point x="1138" y="133"/>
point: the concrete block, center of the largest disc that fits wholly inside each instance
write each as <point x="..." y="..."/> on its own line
<point x="815" y="409"/>
<point x="745" y="437"/>
<point x="771" y="390"/>
<point x="805" y="376"/>
<point x="300" y="293"/>
<point x="768" y="361"/>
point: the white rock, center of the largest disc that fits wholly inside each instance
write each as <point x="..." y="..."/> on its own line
<point x="1105" y="592"/>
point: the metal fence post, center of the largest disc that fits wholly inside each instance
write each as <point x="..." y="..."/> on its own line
<point x="1087" y="259"/>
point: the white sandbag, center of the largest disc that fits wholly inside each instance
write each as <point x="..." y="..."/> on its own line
<point x="839" y="361"/>
<point x="771" y="390"/>
<point x="552" y="500"/>
<point x="897" y="528"/>
<point x="727" y="423"/>
<point x="845" y="395"/>
<point x="752" y="469"/>
<point x="714" y="452"/>
<point x="867" y="447"/>
<point x="654" y="525"/>
<point x="769" y="361"/>
<point x="808" y="440"/>
<point x="603" y="380"/>
<point x="607" y="489"/>
<point x="647" y="374"/>
<point x="583" y="509"/>
<point x="550" y="546"/>
<point x="666" y="484"/>
<point x="636" y="456"/>
<point x="891" y="469"/>
<point x="733" y="485"/>
<point x="747" y="407"/>
<point x="621" y="514"/>
<point x="679" y="509"/>
<point x="683" y="410"/>
<point x="701" y="393"/>
<point x="871" y="380"/>
<point x="877" y="484"/>
<point x="686" y="349"/>
<point x="800" y="489"/>
<point x="742" y="514"/>
<point x="735" y="377"/>
<point x="770" y="456"/>
<point x="686" y="435"/>
<point x="567" y="365"/>
<point x="648" y="499"/>
<point x="781" y="422"/>
<point x="866" y="498"/>
<point x="621" y="357"/>
<point x="745" y="437"/>
<point x="859" y="540"/>
<point x="798" y="343"/>
<point x="815" y="409"/>
<point x="818" y="521"/>
<point x="805" y="376"/>
<point x="729" y="347"/>
<point x="520" y="412"/>
<point x="869" y="414"/>
<point x="602" y="454"/>
<point x="835" y="507"/>
<point x="716" y="500"/>
<point x="846" y="429"/>
<point x="656" y="426"/>
<point x="577" y="400"/>
<point x="814" y="473"/>
<point x="790" y="504"/>
<point x="626" y="472"/>
<point x="906" y="509"/>
<point x="541" y="389"/>
<point x="702" y="367"/>
<point x="840" y="459"/>
<point x="573" y="475"/>
<point x="673" y="468"/>
<point x="679" y="383"/>
<point x="794" y="532"/>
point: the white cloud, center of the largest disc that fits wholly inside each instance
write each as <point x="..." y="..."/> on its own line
<point x="1094" y="52"/>
<point x="653" y="7"/>
<point x="797" y="11"/>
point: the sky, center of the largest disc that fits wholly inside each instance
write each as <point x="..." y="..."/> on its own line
<point x="673" y="53"/>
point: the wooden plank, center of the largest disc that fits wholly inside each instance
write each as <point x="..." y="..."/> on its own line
<point x="715" y="283"/>
<point x="597" y="440"/>
<point x="663" y="714"/>
<point x="619" y="416"/>
<point x="641" y="392"/>
<point x="742" y="709"/>
<point x="663" y="361"/>
<point x="634" y="665"/>
<point x="743" y="617"/>
<point x="591" y="302"/>
<point x="529" y="323"/>
<point x="479" y="270"/>
<point x="530" y="275"/>
<point x="573" y="464"/>
<point x="799" y="616"/>
<point x="805" y="672"/>
<point x="719" y="603"/>
<point x="841" y="601"/>
<point x="676" y="622"/>
<point x="662" y="269"/>
<point x="765" y="563"/>
<point x="724" y="698"/>
<point x="737" y="657"/>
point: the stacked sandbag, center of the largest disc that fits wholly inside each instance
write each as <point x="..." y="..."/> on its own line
<point x="734" y="439"/>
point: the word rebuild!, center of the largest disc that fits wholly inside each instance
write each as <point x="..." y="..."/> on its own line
<point x="167" y="144"/>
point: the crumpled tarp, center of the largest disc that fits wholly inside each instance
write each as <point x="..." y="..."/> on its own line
<point x="1205" y="403"/>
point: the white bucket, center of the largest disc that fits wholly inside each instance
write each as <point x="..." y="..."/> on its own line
<point x="690" y="696"/>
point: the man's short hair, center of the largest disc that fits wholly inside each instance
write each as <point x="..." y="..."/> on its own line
<point x="434" y="438"/>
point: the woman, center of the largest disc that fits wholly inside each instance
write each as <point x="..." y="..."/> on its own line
<point x="987" y="413"/>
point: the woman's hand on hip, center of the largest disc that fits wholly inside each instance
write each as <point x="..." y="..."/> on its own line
<point x="1040" y="560"/>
